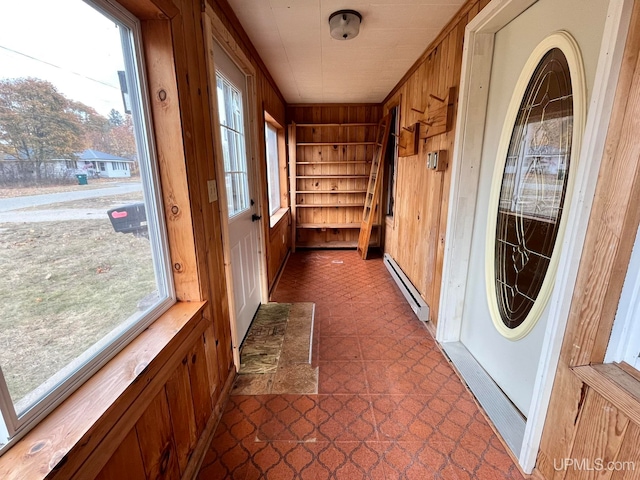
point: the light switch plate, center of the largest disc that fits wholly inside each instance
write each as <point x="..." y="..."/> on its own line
<point x="213" y="190"/>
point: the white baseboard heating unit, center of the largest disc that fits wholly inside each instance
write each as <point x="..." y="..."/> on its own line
<point x="418" y="305"/>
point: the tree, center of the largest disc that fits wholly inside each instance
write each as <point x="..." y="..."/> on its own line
<point x="115" y="118"/>
<point x="112" y="135"/>
<point x="38" y="123"/>
<point x="121" y="140"/>
<point x="95" y="127"/>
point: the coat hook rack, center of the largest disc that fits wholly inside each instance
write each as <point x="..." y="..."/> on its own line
<point x="408" y="141"/>
<point x="418" y="111"/>
<point x="441" y="100"/>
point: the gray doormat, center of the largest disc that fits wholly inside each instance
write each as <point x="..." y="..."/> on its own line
<point x="276" y="355"/>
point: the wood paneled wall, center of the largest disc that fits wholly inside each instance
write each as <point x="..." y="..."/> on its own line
<point x="341" y="163"/>
<point x="414" y="237"/>
<point x="279" y="247"/>
<point x="164" y="438"/>
<point x="582" y="421"/>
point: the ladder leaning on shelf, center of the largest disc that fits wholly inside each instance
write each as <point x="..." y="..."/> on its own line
<point x="372" y="199"/>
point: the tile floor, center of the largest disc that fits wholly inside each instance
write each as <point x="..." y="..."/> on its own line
<point x="388" y="405"/>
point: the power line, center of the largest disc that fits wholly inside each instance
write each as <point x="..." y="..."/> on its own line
<point x="59" y="67"/>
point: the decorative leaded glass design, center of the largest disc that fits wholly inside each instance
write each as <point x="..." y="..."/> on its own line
<point x="533" y="188"/>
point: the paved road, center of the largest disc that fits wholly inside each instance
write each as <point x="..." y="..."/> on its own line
<point x="8" y="204"/>
<point x="58" y="215"/>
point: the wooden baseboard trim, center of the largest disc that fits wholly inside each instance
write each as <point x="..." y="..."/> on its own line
<point x="279" y="274"/>
<point x="197" y="457"/>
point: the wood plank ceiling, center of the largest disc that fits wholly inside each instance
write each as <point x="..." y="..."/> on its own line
<point x="292" y="37"/>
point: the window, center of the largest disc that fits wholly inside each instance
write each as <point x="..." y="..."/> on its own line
<point x="75" y="287"/>
<point x="233" y="145"/>
<point x="532" y="187"/>
<point x="624" y="344"/>
<point x="391" y="157"/>
<point x="273" y="168"/>
<point x="276" y="157"/>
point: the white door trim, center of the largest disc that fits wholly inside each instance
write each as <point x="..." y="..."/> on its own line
<point x="215" y="31"/>
<point x="472" y="109"/>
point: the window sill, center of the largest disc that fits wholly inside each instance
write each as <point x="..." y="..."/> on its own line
<point x="617" y="383"/>
<point x="277" y="217"/>
<point x="71" y="433"/>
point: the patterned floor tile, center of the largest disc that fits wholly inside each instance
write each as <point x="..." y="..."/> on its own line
<point x="412" y="418"/>
<point x="345" y="418"/>
<point x="389" y="405"/>
<point x="406" y="377"/>
<point x="342" y="377"/>
<point x="287" y="418"/>
<point x="282" y="461"/>
<point x="339" y="348"/>
<point x="349" y="461"/>
<point x="337" y="326"/>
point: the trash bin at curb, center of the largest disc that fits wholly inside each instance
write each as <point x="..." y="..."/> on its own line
<point x="82" y="179"/>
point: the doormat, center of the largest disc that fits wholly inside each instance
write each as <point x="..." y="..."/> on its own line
<point x="276" y="355"/>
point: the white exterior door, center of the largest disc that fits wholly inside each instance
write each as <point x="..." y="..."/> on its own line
<point x="513" y="362"/>
<point x="240" y="191"/>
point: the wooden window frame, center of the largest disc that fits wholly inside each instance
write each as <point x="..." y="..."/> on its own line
<point x="282" y="170"/>
<point x="624" y="343"/>
<point x="390" y="194"/>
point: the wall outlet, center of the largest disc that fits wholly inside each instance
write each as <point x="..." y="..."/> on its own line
<point x="213" y="190"/>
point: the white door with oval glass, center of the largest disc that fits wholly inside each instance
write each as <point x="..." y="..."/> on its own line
<point x="243" y="225"/>
<point x="536" y="113"/>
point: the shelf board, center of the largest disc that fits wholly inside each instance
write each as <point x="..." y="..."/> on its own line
<point x="328" y="225"/>
<point x="318" y="144"/>
<point x="331" y="191"/>
<point x="333" y="176"/>
<point x="354" y="162"/>
<point x="336" y="124"/>
<point x="309" y="205"/>
<point x="345" y="244"/>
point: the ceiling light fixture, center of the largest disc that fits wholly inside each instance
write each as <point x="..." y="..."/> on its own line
<point x="344" y="24"/>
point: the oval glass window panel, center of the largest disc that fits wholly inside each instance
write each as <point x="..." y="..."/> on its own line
<point x="533" y="188"/>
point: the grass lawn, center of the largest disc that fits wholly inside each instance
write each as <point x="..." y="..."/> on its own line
<point x="63" y="286"/>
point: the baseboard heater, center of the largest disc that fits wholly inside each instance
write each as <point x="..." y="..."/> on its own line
<point x="418" y="305"/>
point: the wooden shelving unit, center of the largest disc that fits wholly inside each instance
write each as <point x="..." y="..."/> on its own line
<point x="329" y="166"/>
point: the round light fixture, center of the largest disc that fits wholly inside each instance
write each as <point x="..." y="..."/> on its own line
<point x="344" y="24"/>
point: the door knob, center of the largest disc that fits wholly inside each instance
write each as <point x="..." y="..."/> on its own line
<point x="255" y="218"/>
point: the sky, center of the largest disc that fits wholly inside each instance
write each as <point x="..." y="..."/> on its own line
<point x="81" y="42"/>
